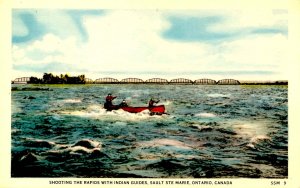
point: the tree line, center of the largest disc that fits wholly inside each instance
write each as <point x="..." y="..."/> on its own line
<point x="49" y="78"/>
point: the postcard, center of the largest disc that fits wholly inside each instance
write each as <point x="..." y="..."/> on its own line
<point x="149" y="94"/>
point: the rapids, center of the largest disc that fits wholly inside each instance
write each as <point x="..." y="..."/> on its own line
<point x="209" y="132"/>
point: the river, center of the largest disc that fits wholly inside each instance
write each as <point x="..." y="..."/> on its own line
<point x="209" y="131"/>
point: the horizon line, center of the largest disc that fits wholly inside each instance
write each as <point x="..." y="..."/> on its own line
<point x="159" y="80"/>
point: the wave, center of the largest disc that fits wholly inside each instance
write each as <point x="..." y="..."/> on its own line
<point x="13" y="130"/>
<point x="202" y="127"/>
<point x="216" y="95"/>
<point x="57" y="117"/>
<point x="254" y="133"/>
<point x="37" y="143"/>
<point x="71" y="101"/>
<point x="166" y="103"/>
<point x="81" y="150"/>
<point x="88" y="143"/>
<point x="164" y="142"/>
<point x="97" y="111"/>
<point x="28" y="158"/>
<point x="208" y="115"/>
<point x="249" y="129"/>
<point x="258" y="139"/>
<point x="84" y="146"/>
<point x="56" y="152"/>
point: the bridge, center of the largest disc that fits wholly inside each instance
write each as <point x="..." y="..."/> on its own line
<point x="181" y="81"/>
<point x="88" y="81"/>
<point x="228" y="82"/>
<point x="184" y="81"/>
<point x="106" y="80"/>
<point x="131" y="81"/>
<point x="22" y="80"/>
<point x="157" y="81"/>
<point x="205" y="81"/>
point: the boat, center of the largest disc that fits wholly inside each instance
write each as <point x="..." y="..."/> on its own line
<point x="160" y="109"/>
<point x="154" y="110"/>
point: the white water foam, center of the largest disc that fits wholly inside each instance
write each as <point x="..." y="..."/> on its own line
<point x="256" y="139"/>
<point x="254" y="132"/>
<point x="249" y="129"/>
<point x="216" y="95"/>
<point x="57" y="117"/>
<point x="204" y="114"/>
<point x="39" y="140"/>
<point x="71" y="101"/>
<point x="166" y="103"/>
<point x="164" y="142"/>
<point x="15" y="130"/>
<point x="97" y="111"/>
<point x="93" y="143"/>
<point x="81" y="149"/>
<point x="78" y="148"/>
<point x="143" y="155"/>
<point x="15" y="107"/>
<point x="201" y="127"/>
<point x="120" y="123"/>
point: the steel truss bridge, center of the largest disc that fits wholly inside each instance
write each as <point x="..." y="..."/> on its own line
<point x="109" y="80"/>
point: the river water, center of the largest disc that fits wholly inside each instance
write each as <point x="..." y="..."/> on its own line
<point x="208" y="132"/>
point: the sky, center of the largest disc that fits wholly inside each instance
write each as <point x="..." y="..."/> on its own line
<point x="193" y="44"/>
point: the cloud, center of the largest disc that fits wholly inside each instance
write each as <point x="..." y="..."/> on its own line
<point x="149" y="43"/>
<point x="222" y="26"/>
<point x="49" y="54"/>
<point x="78" y="19"/>
<point x="271" y="30"/>
<point x="28" y="30"/>
<point x="48" y="67"/>
<point x="32" y="24"/>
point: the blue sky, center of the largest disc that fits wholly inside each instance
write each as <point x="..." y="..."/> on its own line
<point x="149" y="43"/>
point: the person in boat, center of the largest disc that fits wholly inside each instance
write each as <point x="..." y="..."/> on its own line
<point x="108" y="101"/>
<point x="152" y="102"/>
<point x="123" y="103"/>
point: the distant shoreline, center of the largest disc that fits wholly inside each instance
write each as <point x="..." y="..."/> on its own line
<point x="179" y="83"/>
<point x="65" y="79"/>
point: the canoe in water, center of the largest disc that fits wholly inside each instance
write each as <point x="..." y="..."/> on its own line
<point x="160" y="109"/>
<point x="155" y="109"/>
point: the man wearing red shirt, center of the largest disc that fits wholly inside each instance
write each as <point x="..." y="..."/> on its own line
<point x="108" y="102"/>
